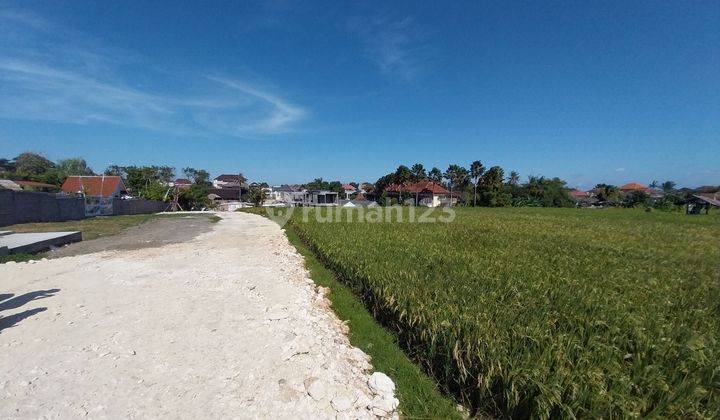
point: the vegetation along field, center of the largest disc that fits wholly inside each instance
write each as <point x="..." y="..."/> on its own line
<point x="546" y="312"/>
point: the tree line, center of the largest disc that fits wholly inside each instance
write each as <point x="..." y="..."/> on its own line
<point x="148" y="182"/>
<point x="478" y="185"/>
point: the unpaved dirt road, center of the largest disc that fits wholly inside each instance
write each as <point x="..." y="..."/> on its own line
<point x="225" y="325"/>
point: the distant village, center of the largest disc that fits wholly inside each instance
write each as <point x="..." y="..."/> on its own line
<point x="413" y="185"/>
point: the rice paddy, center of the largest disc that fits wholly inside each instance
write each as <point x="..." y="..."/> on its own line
<point x="545" y="313"/>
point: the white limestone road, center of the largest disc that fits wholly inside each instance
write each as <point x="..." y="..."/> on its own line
<point x="225" y="325"/>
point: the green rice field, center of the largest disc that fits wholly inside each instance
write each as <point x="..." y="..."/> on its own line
<point x="545" y="313"/>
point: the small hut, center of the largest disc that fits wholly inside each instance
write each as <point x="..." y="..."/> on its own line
<point x="697" y="203"/>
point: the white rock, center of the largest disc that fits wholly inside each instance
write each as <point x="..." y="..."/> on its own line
<point x="386" y="404"/>
<point x="359" y="355"/>
<point x="381" y="384"/>
<point x="341" y="403"/>
<point x="315" y="388"/>
<point x="277" y="315"/>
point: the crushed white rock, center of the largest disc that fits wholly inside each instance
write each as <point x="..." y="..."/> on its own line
<point x="226" y="325"/>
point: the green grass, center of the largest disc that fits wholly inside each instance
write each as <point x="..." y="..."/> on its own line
<point x="546" y="312"/>
<point x="20" y="257"/>
<point x="94" y="228"/>
<point x="418" y="394"/>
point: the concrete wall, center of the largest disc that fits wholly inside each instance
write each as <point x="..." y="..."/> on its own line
<point x="27" y="206"/>
<point x="137" y="206"/>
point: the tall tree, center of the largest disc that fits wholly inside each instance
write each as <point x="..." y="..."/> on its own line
<point x="73" y="166"/>
<point x="476" y="171"/>
<point x="402" y="176"/>
<point x="418" y="172"/>
<point x="456" y="176"/>
<point x="668" y="186"/>
<point x="116" y="170"/>
<point x="514" y="179"/>
<point x="30" y="164"/>
<point x="435" y="175"/>
<point x="492" y="193"/>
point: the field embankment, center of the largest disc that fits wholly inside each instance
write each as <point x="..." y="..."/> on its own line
<point x="546" y="312"/>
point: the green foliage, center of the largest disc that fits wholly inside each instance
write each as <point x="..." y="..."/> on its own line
<point x="73" y="166"/>
<point x="492" y="191"/>
<point x="20" y="257"/>
<point x="256" y="196"/>
<point x="607" y="193"/>
<point x="636" y="198"/>
<point x="668" y="186"/>
<point x="457" y="177"/>
<point x="202" y="177"/>
<point x="544" y="192"/>
<point x="417" y="172"/>
<point x="435" y="175"/>
<point x="145" y="181"/>
<point x="30" y="164"/>
<point x="195" y="197"/>
<point x="546" y="313"/>
<point x="319" y="184"/>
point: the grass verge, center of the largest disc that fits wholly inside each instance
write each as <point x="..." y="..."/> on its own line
<point x="418" y="394"/>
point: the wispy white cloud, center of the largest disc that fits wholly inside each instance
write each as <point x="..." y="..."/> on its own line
<point x="396" y="46"/>
<point x="51" y="74"/>
<point x="281" y="115"/>
<point x="619" y="169"/>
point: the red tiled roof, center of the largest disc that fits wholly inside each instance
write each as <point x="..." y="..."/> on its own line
<point x="578" y="194"/>
<point x="94" y="186"/>
<point x="227" y="178"/>
<point x="418" y="187"/>
<point x="632" y="186"/>
<point x="182" y="181"/>
<point x="348" y="187"/>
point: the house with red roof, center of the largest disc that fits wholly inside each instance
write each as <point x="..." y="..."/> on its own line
<point x="349" y="189"/>
<point x="578" y="194"/>
<point x="94" y="186"/>
<point x="633" y="186"/>
<point x="424" y="193"/>
<point x="181" y="183"/>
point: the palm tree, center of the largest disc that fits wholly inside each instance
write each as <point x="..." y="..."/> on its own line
<point x="456" y="175"/>
<point x="435" y="175"/>
<point x="514" y="178"/>
<point x="476" y="171"/>
<point x="418" y="172"/>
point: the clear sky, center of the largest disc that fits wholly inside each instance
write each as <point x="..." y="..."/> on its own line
<point x="591" y="91"/>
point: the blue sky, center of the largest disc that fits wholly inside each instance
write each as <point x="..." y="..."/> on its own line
<point x="588" y="91"/>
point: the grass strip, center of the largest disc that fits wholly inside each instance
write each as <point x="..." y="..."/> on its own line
<point x="418" y="394"/>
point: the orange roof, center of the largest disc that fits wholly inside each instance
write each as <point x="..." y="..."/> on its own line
<point x="418" y="187"/>
<point x="348" y="187"/>
<point x="578" y="193"/>
<point x="633" y="186"/>
<point x="94" y="186"/>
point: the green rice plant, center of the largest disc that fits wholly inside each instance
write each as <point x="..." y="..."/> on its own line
<point x="545" y="313"/>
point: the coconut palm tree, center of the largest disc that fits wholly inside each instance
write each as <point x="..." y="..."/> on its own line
<point x="476" y="172"/>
